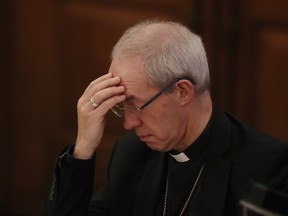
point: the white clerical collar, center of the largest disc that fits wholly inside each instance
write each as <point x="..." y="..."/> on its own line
<point x="181" y="157"/>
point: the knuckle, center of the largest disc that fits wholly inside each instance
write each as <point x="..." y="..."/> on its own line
<point x="80" y="109"/>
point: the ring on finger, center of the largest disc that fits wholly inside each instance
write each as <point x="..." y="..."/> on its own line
<point x="93" y="103"/>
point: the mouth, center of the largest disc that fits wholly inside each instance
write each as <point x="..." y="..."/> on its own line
<point x="143" y="137"/>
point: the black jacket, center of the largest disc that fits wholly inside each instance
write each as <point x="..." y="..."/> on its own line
<point x="236" y="155"/>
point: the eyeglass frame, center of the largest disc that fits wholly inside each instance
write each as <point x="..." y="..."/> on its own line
<point x="116" y="109"/>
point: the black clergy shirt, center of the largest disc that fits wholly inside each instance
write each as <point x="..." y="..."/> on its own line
<point x="182" y="177"/>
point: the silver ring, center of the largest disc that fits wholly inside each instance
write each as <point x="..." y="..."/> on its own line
<point x="95" y="105"/>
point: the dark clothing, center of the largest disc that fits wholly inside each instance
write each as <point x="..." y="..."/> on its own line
<point x="182" y="177"/>
<point x="234" y="155"/>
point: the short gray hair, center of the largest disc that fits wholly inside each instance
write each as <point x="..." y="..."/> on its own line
<point x="168" y="50"/>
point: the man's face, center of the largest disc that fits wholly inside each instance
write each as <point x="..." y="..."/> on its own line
<point x="160" y="125"/>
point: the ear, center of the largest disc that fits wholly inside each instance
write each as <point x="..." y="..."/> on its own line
<point x="185" y="91"/>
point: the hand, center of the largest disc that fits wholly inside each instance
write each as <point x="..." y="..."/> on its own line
<point x="106" y="92"/>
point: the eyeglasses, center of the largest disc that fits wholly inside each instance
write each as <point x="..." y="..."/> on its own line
<point x="119" y="110"/>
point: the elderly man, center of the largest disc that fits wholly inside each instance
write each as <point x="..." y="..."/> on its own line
<point x="183" y="156"/>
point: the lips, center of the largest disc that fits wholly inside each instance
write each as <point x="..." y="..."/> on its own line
<point x="143" y="137"/>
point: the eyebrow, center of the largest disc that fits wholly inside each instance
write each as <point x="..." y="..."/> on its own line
<point x="129" y="98"/>
<point x="132" y="99"/>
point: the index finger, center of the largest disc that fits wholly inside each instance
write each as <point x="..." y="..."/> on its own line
<point x="97" y="80"/>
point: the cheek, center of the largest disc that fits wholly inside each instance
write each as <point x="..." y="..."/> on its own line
<point x="169" y="113"/>
<point x="163" y="124"/>
<point x="162" y="118"/>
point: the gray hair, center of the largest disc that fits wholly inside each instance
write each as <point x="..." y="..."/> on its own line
<point x="168" y="51"/>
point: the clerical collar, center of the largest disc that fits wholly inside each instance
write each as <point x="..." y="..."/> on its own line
<point x="181" y="157"/>
<point x="197" y="148"/>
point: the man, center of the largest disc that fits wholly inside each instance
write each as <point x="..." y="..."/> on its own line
<point x="182" y="157"/>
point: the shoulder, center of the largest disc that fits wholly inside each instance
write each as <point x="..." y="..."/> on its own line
<point x="254" y="155"/>
<point x="252" y="148"/>
<point x="244" y="133"/>
<point x="236" y="139"/>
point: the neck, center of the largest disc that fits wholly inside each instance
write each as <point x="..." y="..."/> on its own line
<point x="200" y="113"/>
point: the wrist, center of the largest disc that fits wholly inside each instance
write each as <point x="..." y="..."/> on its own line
<point x="83" y="153"/>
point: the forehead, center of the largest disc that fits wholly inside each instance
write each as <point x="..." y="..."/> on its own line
<point x="130" y="72"/>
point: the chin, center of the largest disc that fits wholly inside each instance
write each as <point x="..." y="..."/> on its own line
<point x="156" y="147"/>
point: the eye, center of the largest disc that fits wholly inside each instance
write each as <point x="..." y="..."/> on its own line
<point x="126" y="104"/>
<point x="130" y="101"/>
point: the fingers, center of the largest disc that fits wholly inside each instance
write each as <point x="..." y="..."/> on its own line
<point x="104" y="91"/>
<point x="96" y="81"/>
<point x="98" y="98"/>
<point x="101" y="83"/>
<point x="108" y="94"/>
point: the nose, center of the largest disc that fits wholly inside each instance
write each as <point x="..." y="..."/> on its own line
<point x="131" y="121"/>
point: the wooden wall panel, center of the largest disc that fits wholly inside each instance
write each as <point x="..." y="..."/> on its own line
<point x="246" y="43"/>
<point x="31" y="88"/>
<point x="181" y="8"/>
<point x="268" y="11"/>
<point x="260" y="94"/>
<point x="271" y="107"/>
<point x="218" y="31"/>
<point x="5" y="105"/>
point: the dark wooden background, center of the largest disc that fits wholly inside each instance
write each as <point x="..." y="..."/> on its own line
<point x="51" y="50"/>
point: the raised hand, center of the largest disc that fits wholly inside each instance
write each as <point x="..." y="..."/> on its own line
<point x="98" y="98"/>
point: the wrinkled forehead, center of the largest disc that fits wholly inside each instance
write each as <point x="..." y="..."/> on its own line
<point x="130" y="72"/>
